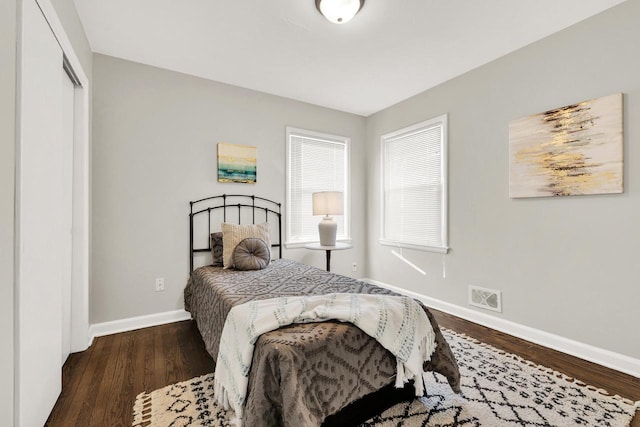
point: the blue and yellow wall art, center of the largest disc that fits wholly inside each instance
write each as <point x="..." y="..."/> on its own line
<point x="236" y="163"/>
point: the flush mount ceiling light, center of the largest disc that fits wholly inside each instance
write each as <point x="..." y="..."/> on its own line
<point x="339" y="11"/>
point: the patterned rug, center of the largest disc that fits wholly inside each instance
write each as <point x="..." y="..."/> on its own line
<point x="498" y="389"/>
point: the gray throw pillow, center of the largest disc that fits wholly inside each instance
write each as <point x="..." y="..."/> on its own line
<point x="251" y="254"/>
<point x="216" y="249"/>
<point x="232" y="234"/>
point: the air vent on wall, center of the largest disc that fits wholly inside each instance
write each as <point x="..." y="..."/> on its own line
<point x="489" y="299"/>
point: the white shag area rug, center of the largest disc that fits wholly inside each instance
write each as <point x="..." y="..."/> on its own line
<point x="498" y="389"/>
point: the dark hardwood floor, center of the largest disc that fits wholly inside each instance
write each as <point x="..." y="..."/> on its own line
<point x="101" y="383"/>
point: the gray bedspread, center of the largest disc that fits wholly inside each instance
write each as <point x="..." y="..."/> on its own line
<point x="301" y="373"/>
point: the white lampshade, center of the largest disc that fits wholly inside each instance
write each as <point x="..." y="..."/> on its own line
<point x="339" y="11"/>
<point x="328" y="203"/>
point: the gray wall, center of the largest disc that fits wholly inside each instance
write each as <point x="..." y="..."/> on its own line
<point x="154" y="149"/>
<point x="565" y="265"/>
<point x="7" y="183"/>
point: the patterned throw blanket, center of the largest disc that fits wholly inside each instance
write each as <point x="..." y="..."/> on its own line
<point x="398" y="323"/>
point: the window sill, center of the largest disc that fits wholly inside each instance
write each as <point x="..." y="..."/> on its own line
<point x="436" y="249"/>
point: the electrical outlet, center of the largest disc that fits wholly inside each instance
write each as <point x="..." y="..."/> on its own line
<point x="354" y="266"/>
<point x="160" y="284"/>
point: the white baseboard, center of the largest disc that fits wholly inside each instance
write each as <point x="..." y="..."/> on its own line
<point x="610" y="359"/>
<point x="132" y="323"/>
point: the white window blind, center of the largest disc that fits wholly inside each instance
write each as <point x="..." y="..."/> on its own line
<point x="315" y="162"/>
<point x="414" y="186"/>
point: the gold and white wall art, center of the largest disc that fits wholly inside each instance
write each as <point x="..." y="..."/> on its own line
<point x="567" y="151"/>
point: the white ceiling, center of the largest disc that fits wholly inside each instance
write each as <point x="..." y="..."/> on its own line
<point x="392" y="50"/>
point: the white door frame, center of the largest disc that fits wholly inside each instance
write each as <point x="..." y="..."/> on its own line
<point x="80" y="210"/>
<point x="80" y="266"/>
<point x="67" y="128"/>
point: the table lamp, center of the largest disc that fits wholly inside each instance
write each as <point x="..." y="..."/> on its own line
<point x="328" y="203"/>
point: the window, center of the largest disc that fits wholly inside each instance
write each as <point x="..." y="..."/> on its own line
<point x="315" y="162"/>
<point x="414" y="186"/>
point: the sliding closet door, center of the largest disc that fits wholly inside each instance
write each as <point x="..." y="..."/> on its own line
<point x="42" y="223"/>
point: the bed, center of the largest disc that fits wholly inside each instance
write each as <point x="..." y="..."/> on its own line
<point x="328" y="373"/>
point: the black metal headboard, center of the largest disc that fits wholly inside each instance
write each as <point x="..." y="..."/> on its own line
<point x="231" y="204"/>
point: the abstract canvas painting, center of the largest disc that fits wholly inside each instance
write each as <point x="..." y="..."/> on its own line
<point x="236" y="163"/>
<point x="572" y="150"/>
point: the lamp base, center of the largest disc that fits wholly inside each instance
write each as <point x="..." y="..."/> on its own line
<point x="328" y="229"/>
